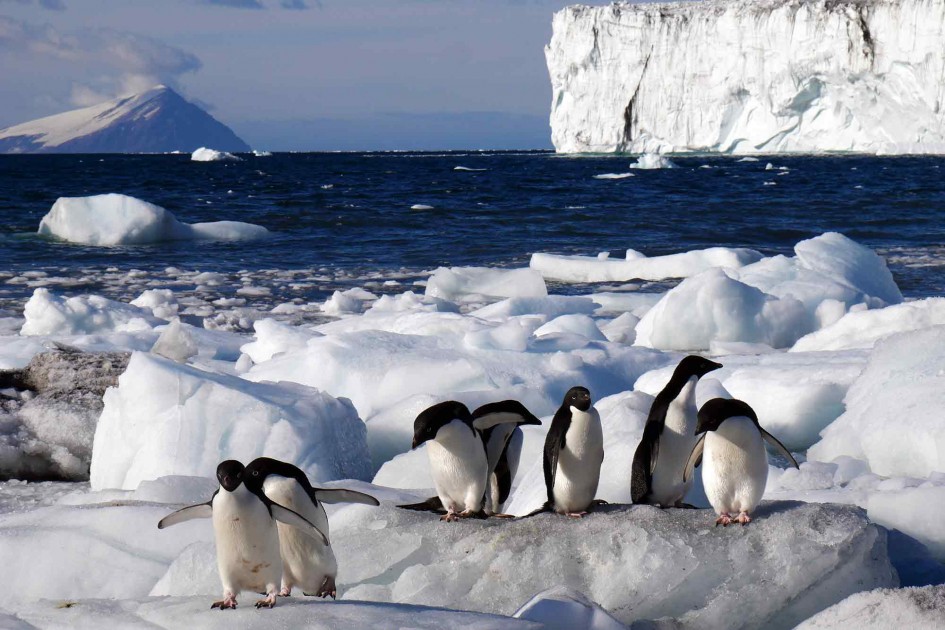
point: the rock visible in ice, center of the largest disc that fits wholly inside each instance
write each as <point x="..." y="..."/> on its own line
<point x="862" y="329"/>
<point x="49" y="314"/>
<point x="683" y="265"/>
<point x="170" y="419"/>
<point x="176" y="342"/>
<point x="482" y="283"/>
<point x="46" y="432"/>
<point x="893" y="418"/>
<point x="203" y="154"/>
<point x="748" y="77"/>
<point x="649" y="161"/>
<point x="162" y="303"/>
<point x="919" y="608"/>
<point x="562" y="608"/>
<point x="109" y="220"/>
<point x="638" y="563"/>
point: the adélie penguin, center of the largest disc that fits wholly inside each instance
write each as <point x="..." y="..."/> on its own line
<point x="244" y="526"/>
<point x="499" y="423"/>
<point x="457" y="460"/>
<point x="734" y="460"/>
<point x="574" y="451"/>
<point x="307" y="562"/>
<point x="668" y="437"/>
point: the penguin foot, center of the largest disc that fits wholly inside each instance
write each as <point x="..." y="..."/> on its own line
<point x="725" y="519"/>
<point x="449" y="517"/>
<point x="328" y="588"/>
<point x="285" y="592"/>
<point x="228" y="601"/>
<point x="576" y="514"/>
<point x="268" y="602"/>
<point x="742" y="518"/>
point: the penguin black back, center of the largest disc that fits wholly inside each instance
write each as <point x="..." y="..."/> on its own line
<point x="432" y="419"/>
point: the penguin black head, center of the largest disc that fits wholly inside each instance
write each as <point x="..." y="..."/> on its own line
<point x="579" y="398"/>
<point x="431" y="420"/>
<point x="230" y="474"/>
<point x="717" y="410"/>
<point x="694" y="365"/>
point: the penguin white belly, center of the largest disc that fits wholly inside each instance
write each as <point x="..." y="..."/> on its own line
<point x="306" y="562"/>
<point x="498" y="440"/>
<point x="459" y="467"/>
<point x="667" y="487"/>
<point x="579" y="462"/>
<point x="734" y="466"/>
<point x="247" y="542"/>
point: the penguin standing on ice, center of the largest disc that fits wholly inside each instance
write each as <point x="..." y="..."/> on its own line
<point x="499" y="423"/>
<point x="244" y="525"/>
<point x="574" y="452"/>
<point x="458" y="460"/>
<point x="668" y="437"/>
<point x="734" y="460"/>
<point x="306" y="562"/>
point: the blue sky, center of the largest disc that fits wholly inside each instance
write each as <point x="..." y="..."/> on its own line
<point x="296" y="74"/>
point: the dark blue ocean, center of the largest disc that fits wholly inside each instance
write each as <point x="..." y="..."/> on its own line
<point x="341" y="219"/>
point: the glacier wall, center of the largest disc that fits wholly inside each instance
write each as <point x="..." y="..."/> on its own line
<point x="749" y="76"/>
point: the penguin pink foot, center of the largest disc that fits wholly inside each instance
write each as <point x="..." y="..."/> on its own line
<point x="268" y="602"/>
<point x="742" y="518"/>
<point x="328" y="588"/>
<point x="725" y="519"/>
<point x="450" y="517"/>
<point x="577" y="514"/>
<point x="228" y="601"/>
<point x="285" y="592"/>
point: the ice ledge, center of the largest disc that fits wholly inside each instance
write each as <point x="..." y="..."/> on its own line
<point x="638" y="563"/>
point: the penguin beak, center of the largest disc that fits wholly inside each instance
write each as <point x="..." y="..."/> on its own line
<point x="417" y="441"/>
<point x="230" y="483"/>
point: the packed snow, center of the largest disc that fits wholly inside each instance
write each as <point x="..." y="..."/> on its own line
<point x="112" y="219"/>
<point x="748" y="77"/>
<point x="821" y="344"/>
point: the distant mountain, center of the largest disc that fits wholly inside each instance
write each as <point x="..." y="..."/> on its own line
<point x="156" y="121"/>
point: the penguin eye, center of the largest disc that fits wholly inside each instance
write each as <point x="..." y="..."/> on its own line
<point x="255" y="473"/>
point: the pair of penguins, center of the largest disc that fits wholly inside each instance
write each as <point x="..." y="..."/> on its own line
<point x="270" y="525"/>
<point x="474" y="456"/>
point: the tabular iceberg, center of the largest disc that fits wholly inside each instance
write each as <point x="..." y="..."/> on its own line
<point x="749" y="76"/>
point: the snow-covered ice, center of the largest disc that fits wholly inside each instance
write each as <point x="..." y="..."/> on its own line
<point x="113" y="219"/>
<point x="203" y="154"/>
<point x="918" y="608"/>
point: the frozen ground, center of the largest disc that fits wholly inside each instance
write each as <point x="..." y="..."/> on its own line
<point x="822" y="344"/>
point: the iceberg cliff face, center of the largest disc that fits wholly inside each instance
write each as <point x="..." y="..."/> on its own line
<point x="750" y="76"/>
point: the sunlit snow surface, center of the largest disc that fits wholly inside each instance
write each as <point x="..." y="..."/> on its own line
<point x="328" y="367"/>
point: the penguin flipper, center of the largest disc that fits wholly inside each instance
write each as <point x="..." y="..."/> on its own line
<point x="433" y="504"/>
<point x="776" y="444"/>
<point x="341" y="495"/>
<point x="695" y="458"/>
<point x="201" y="510"/>
<point x="644" y="462"/>
<point x="291" y="517"/>
<point x="554" y="442"/>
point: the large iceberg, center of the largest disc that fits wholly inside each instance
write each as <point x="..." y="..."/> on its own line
<point x="749" y="76"/>
<point x="113" y="219"/>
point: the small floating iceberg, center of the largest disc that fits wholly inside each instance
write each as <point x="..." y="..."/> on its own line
<point x="613" y="176"/>
<point x="649" y="161"/>
<point x="113" y="219"/>
<point x="259" y="153"/>
<point x="203" y="154"/>
<point x="468" y="169"/>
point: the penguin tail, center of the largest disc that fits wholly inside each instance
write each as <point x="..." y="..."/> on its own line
<point x="547" y="507"/>
<point x="433" y="504"/>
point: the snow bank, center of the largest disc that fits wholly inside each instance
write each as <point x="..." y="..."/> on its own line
<point x="50" y="314"/>
<point x="893" y="418"/>
<point x="638" y="266"/>
<point x="170" y="419"/>
<point x="918" y="608"/>
<point x="473" y="284"/>
<point x="110" y="220"/>
<point x="563" y="608"/>
<point x="862" y="329"/>
<point x="637" y="562"/>
<point x="203" y="154"/>
<point x="774" y="301"/>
